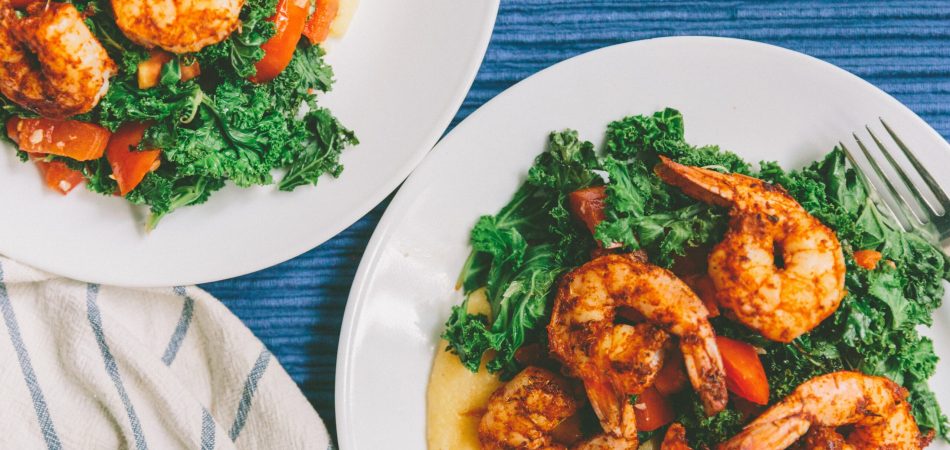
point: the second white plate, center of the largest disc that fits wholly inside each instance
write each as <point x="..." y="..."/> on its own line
<point x="402" y="71"/>
<point x="760" y="101"/>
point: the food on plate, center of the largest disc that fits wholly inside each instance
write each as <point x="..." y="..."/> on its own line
<point x="766" y="225"/>
<point x="875" y="408"/>
<point x="163" y="103"/>
<point x="616" y="361"/>
<point x="607" y="269"/>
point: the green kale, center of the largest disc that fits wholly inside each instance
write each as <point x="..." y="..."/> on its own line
<point x="519" y="253"/>
<point x="321" y="153"/>
<point x="645" y="213"/>
<point x="703" y="431"/>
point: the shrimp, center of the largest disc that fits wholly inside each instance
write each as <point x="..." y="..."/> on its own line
<point x="874" y="407"/>
<point x="823" y="438"/>
<point x="783" y="302"/>
<point x="582" y="329"/>
<point x="523" y="413"/>
<point x="607" y="442"/>
<point x="179" y="26"/>
<point x="675" y="438"/>
<point x="50" y="62"/>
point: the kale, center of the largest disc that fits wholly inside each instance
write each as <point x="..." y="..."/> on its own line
<point x="645" y="213"/>
<point x="321" y="153"/>
<point x="519" y="253"/>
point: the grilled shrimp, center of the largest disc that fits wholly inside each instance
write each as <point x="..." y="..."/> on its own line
<point x="582" y="330"/>
<point x="781" y="303"/>
<point x="876" y="408"/>
<point x="523" y="413"/>
<point x="179" y="26"/>
<point x="675" y="438"/>
<point x="50" y="62"/>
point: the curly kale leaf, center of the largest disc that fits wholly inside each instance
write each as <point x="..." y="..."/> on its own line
<point x="321" y="153"/>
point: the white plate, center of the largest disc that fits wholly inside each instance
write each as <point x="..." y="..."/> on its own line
<point x="402" y="71"/>
<point x="763" y="102"/>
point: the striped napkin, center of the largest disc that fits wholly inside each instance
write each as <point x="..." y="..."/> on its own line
<point x="84" y="366"/>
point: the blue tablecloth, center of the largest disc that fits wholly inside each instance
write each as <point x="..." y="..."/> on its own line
<point x="296" y="307"/>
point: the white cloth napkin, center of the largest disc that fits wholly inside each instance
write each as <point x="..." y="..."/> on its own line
<point x="84" y="366"/>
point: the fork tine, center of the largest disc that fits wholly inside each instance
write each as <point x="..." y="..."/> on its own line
<point x="929" y="180"/>
<point x="875" y="195"/>
<point x="903" y="175"/>
<point x="895" y="194"/>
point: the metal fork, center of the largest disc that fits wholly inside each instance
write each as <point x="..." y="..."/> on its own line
<point x="935" y="220"/>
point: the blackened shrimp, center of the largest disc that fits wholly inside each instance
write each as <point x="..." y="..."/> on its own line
<point x="780" y="302"/>
<point x="875" y="408"/>
<point x="582" y="329"/>
<point x="523" y="413"/>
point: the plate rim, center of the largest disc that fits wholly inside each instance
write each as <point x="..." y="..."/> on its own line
<point x="397" y="176"/>
<point x="362" y="281"/>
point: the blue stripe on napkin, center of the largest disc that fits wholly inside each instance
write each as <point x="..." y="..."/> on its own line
<point x="95" y="320"/>
<point x="29" y="376"/>
<point x="181" y="329"/>
<point x="250" y="387"/>
<point x="207" y="430"/>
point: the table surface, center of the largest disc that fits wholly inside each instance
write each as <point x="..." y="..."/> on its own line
<point x="296" y="308"/>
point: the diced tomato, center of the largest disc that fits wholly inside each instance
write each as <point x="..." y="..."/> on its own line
<point x="672" y="377"/>
<point x="318" y="27"/>
<point x="150" y="70"/>
<point x="12" y="130"/>
<point x="588" y="205"/>
<point x="652" y="410"/>
<point x="70" y="138"/>
<point x="867" y="259"/>
<point x="745" y="375"/>
<point x="129" y="166"/>
<point x="57" y="175"/>
<point x="279" y="50"/>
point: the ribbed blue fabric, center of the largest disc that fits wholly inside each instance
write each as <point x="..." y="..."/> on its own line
<point x="296" y="307"/>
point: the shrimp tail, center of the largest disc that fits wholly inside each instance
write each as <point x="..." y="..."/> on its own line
<point x="705" y="369"/>
<point x="702" y="184"/>
<point x="616" y="414"/>
<point x="675" y="438"/>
